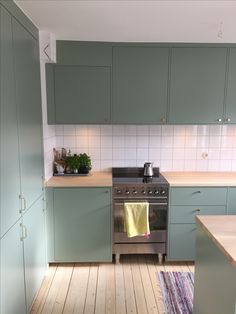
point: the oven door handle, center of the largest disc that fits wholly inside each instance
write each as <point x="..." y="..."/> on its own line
<point x="150" y="203"/>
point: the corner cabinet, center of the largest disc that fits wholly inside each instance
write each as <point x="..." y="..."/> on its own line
<point x="79" y="224"/>
<point x="140" y="76"/>
<point x="78" y="94"/>
<point x="185" y="204"/>
<point x="197" y="85"/>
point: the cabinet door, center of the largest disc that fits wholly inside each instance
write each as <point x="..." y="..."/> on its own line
<point x="230" y="114"/>
<point x="140" y="77"/>
<point x="82" y="222"/>
<point x="9" y="157"/>
<point x="197" y="85"/>
<point x="12" y="273"/>
<point x="28" y="95"/>
<point x="82" y="94"/>
<point x="34" y="250"/>
<point x="181" y="242"/>
<point x="231" y="205"/>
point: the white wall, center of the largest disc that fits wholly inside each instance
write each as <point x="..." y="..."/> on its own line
<point x="172" y="148"/>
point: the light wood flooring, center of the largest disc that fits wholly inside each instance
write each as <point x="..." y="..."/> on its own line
<point x="102" y="288"/>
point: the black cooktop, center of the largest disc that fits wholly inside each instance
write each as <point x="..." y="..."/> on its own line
<point x="134" y="175"/>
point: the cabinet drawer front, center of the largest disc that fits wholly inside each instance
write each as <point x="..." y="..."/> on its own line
<point x="198" y="196"/>
<point x="186" y="214"/>
<point x="181" y="244"/>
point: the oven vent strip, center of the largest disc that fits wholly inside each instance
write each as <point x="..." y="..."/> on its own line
<point x="150" y="203"/>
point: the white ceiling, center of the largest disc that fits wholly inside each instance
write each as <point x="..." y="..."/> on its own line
<point x="135" y="21"/>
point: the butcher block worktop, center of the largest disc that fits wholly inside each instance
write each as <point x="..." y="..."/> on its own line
<point x="200" y="178"/>
<point x="95" y="179"/>
<point x="222" y="230"/>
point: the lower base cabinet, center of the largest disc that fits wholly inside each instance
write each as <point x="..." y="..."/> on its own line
<point x="12" y="272"/>
<point x="81" y="222"/>
<point x="231" y="204"/>
<point x="23" y="261"/>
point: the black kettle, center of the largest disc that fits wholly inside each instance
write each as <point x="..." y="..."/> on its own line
<point x="148" y="169"/>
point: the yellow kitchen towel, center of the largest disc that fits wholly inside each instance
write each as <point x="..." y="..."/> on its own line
<point x="136" y="218"/>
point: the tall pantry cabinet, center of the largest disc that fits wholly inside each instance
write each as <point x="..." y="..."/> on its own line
<point x="23" y="249"/>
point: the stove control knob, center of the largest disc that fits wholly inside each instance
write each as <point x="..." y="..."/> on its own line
<point x="143" y="192"/>
<point x="156" y="192"/>
<point x="118" y="191"/>
<point x="135" y="192"/>
<point x="163" y="192"/>
<point x="127" y="192"/>
<point x="150" y="192"/>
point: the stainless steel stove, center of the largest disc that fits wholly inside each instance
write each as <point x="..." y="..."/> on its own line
<point x="129" y="185"/>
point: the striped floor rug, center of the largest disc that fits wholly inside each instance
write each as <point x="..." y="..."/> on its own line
<point x="177" y="290"/>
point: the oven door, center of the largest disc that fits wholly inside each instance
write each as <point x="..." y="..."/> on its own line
<point x="157" y="223"/>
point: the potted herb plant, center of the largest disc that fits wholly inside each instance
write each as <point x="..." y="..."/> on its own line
<point x="85" y="164"/>
<point x="72" y="164"/>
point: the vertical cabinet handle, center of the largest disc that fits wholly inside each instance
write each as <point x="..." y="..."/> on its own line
<point x="23" y="232"/>
<point x="23" y="205"/>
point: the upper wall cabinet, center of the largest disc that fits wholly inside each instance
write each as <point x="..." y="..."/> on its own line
<point x="79" y="85"/>
<point x="230" y="113"/>
<point x="81" y="94"/>
<point x="197" y="85"/>
<point x="140" y="77"/>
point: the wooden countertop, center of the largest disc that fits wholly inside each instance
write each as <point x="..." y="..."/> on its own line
<point x="222" y="230"/>
<point x="95" y="179"/>
<point x="200" y="178"/>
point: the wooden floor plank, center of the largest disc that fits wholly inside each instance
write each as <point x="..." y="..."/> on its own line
<point x="91" y="291"/>
<point x="147" y="286"/>
<point x="75" y="301"/>
<point x="120" y="289"/>
<point x="110" y="290"/>
<point x="44" y="289"/>
<point x="100" y="306"/>
<point x="56" y="297"/>
<point x="138" y="287"/>
<point x="129" y="288"/>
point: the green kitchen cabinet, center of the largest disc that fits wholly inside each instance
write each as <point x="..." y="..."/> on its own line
<point x="12" y="272"/>
<point x="9" y="156"/>
<point x="34" y="249"/>
<point x="78" y="94"/>
<point x="82" y="224"/>
<point x="231" y="204"/>
<point x="181" y="244"/>
<point x="230" y="113"/>
<point x="28" y="99"/>
<point x="197" y="85"/>
<point x="140" y="76"/>
<point x="185" y="204"/>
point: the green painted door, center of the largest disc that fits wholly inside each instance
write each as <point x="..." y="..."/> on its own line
<point x="197" y="85"/>
<point x="9" y="157"/>
<point x="140" y="76"/>
<point x="231" y="204"/>
<point x="230" y="114"/>
<point x="181" y="242"/>
<point x="82" y="94"/>
<point x="34" y="250"/>
<point x="82" y="224"/>
<point x="28" y="95"/>
<point x="12" y="273"/>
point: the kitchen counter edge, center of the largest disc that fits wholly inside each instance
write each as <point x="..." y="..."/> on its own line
<point x="190" y="179"/>
<point x="95" y="179"/>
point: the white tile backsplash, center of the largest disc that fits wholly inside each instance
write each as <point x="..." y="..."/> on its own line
<point x="171" y="147"/>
